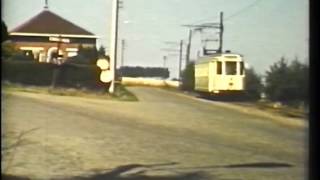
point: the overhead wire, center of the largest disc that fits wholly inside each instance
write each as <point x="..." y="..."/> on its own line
<point x="232" y="15"/>
<point x="254" y="3"/>
<point x="242" y="10"/>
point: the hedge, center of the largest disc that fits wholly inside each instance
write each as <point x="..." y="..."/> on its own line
<point x="34" y="73"/>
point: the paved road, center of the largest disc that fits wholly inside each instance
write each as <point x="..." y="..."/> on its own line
<point x="162" y="136"/>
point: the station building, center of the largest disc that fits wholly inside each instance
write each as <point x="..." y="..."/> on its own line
<point x="46" y="32"/>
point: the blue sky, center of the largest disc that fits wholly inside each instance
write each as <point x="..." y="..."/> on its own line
<point x="262" y="32"/>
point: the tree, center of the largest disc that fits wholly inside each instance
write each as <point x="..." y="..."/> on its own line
<point x="287" y="83"/>
<point x="86" y="55"/>
<point x="138" y="71"/>
<point x="276" y="81"/>
<point x="8" y="50"/>
<point x="102" y="51"/>
<point x="188" y="77"/>
<point x="4" y="32"/>
<point x="299" y="74"/>
<point x="253" y="85"/>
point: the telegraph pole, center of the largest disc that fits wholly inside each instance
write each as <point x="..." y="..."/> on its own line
<point x="180" y="59"/>
<point x="164" y="61"/>
<point x="176" y="50"/>
<point x="122" y="51"/>
<point x="188" y="48"/>
<point x="46" y="4"/>
<point x="113" y="44"/>
<point x="207" y="26"/>
<point x="221" y="33"/>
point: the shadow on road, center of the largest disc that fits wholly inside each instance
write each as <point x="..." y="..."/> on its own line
<point x="197" y="173"/>
<point x="228" y="98"/>
<point x="138" y="172"/>
<point x="245" y="165"/>
<point x="12" y="177"/>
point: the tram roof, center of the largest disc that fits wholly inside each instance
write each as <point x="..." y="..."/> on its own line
<point x="210" y="57"/>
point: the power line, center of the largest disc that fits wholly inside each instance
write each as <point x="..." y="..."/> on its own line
<point x="243" y="9"/>
<point x="234" y="14"/>
<point x="206" y="19"/>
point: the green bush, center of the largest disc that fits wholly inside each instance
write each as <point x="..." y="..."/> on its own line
<point x="79" y="76"/>
<point x="4" y="31"/>
<point x="288" y="83"/>
<point x="253" y="85"/>
<point x="188" y="77"/>
<point x="27" y="72"/>
<point x="9" y="50"/>
<point x="88" y="54"/>
<point x="138" y="71"/>
<point x="34" y="73"/>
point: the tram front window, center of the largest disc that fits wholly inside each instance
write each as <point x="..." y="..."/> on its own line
<point x="231" y="68"/>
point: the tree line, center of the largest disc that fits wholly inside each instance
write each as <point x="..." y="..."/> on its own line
<point x="138" y="71"/>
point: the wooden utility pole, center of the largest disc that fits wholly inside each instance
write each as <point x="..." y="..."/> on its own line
<point x="46" y="4"/>
<point x="188" y="48"/>
<point x="56" y="70"/>
<point x="113" y="44"/>
<point x="180" y="59"/>
<point x="164" y="61"/>
<point x="122" y="51"/>
<point x="221" y="33"/>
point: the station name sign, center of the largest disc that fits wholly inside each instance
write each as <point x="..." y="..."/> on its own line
<point x="59" y="39"/>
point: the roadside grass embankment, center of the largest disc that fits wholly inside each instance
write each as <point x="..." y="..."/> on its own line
<point x="277" y="109"/>
<point x="121" y="93"/>
<point x="267" y="106"/>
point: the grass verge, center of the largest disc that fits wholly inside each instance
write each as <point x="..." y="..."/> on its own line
<point x="282" y="110"/>
<point x="121" y="93"/>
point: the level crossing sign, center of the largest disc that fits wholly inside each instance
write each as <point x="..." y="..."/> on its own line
<point x="104" y="65"/>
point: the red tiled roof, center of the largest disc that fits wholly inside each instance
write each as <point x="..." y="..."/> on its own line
<point x="49" y="23"/>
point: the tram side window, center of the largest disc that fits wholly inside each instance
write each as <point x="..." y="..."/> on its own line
<point x="219" y="67"/>
<point x="241" y="68"/>
<point x="231" y="68"/>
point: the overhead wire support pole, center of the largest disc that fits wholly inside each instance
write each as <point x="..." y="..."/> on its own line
<point x="164" y="61"/>
<point x="188" y="48"/>
<point x="113" y="44"/>
<point x="122" y="51"/>
<point x="46" y="4"/>
<point x="192" y="29"/>
<point x="221" y="33"/>
<point x="180" y="59"/>
<point x="176" y="50"/>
